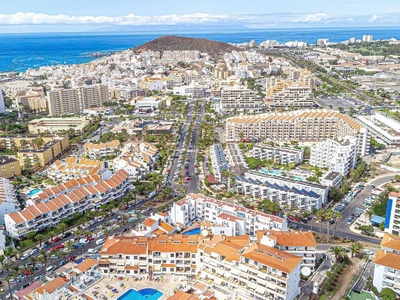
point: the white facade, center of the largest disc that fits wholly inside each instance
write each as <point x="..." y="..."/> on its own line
<point x="2" y="104"/>
<point x="382" y="128"/>
<point x="336" y="155"/>
<point x="8" y="199"/>
<point x="285" y="191"/>
<point x="387" y="268"/>
<point x="218" y="161"/>
<point x="392" y="222"/>
<point x="296" y="96"/>
<point x="282" y="155"/>
<point x="237" y="218"/>
<point x="238" y="98"/>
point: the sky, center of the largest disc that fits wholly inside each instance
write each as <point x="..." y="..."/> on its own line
<point x="86" y="15"/>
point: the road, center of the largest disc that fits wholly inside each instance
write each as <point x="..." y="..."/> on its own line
<point x="79" y="253"/>
<point x="342" y="228"/>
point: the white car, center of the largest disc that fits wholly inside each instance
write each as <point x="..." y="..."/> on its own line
<point x="25" y="256"/>
<point x="368" y="252"/>
<point x="33" y="251"/>
<point x="100" y="241"/>
<point x="92" y="251"/>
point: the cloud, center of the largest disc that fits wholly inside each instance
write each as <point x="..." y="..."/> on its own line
<point x="130" y="19"/>
<point x="373" y="18"/>
<point x="313" y="18"/>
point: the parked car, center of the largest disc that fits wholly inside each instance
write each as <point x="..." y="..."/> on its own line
<point x="44" y="246"/>
<point x="56" y="239"/>
<point x="92" y="250"/>
<point x="78" y="245"/>
<point x="297" y="219"/>
<point x="304" y="220"/>
<point x="25" y="256"/>
<point x="350" y="220"/>
<point x="33" y="251"/>
<point x="368" y="252"/>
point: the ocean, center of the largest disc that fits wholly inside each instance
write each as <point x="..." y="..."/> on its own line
<point x="18" y="52"/>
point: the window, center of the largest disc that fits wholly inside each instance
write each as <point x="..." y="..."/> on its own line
<point x="164" y="269"/>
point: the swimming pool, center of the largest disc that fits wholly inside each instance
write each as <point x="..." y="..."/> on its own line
<point x="272" y="172"/>
<point x="144" y="294"/>
<point x="33" y="192"/>
<point x="297" y="178"/>
<point x="192" y="231"/>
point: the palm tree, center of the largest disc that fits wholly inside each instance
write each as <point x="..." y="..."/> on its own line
<point x="77" y="233"/>
<point x="15" y="275"/>
<point x="328" y="215"/>
<point x="40" y="238"/>
<point x="183" y="190"/>
<point x="69" y="244"/>
<point x="337" y="215"/>
<point x="339" y="253"/>
<point x="62" y="227"/>
<point x="8" y="278"/>
<point x="52" y="234"/>
<point x="356" y="248"/>
<point x="320" y="218"/>
<point x="86" y="233"/>
<point x="42" y="258"/>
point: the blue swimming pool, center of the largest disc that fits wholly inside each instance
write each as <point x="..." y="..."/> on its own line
<point x="33" y="192"/>
<point x="272" y="172"/>
<point x="144" y="294"/>
<point x="192" y="231"/>
<point x="297" y="178"/>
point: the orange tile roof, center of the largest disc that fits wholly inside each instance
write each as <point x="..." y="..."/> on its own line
<point x="391" y="241"/>
<point x="180" y="295"/>
<point x="272" y="257"/>
<point x="86" y="264"/>
<point x="289" y="238"/>
<point x="149" y="222"/>
<point x="388" y="259"/>
<point x="168" y="228"/>
<point x="51" y="286"/>
<point x="16" y="217"/>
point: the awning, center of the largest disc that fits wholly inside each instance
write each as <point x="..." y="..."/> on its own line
<point x="142" y="265"/>
<point x="218" y="281"/>
<point x="213" y="255"/>
<point x="235" y="271"/>
<point x="157" y="268"/>
<point x="262" y="275"/>
<point x="96" y="200"/>
<point x="120" y="263"/>
<point x="244" y="268"/>
<point x="261" y="290"/>
<point x="220" y="272"/>
<point x="251" y="285"/>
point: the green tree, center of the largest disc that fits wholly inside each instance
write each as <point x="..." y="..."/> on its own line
<point x="339" y="253"/>
<point x="387" y="294"/>
<point x="30" y="235"/>
<point x="61" y="227"/>
<point x="356" y="248"/>
<point x="40" y="238"/>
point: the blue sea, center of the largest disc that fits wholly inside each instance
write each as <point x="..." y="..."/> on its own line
<point x="19" y="52"/>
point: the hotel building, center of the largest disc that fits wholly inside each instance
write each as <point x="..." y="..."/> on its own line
<point x="9" y="167"/>
<point x="302" y="125"/>
<point x="392" y="221"/>
<point x="295" y="96"/>
<point x="8" y="199"/>
<point x="218" y="161"/>
<point x="382" y="128"/>
<point x="232" y="267"/>
<point x="336" y="155"/>
<point x="56" y="125"/>
<point x="222" y="217"/>
<point x="299" y="243"/>
<point x="102" y="150"/>
<point x="286" y="191"/>
<point x="387" y="264"/>
<point x="236" y="98"/>
<point x="283" y="156"/>
<point x="77" y="196"/>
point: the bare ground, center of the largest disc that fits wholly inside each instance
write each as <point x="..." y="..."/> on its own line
<point x="348" y="277"/>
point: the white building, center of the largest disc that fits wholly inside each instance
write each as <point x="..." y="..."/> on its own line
<point x="382" y="128"/>
<point x="286" y="191"/>
<point x="336" y="155"/>
<point x="387" y="266"/>
<point x="292" y="96"/>
<point x="218" y="161"/>
<point x="299" y="243"/>
<point x="237" y="219"/>
<point x="392" y="221"/>
<point x="49" y="213"/>
<point x="239" y="99"/>
<point x="2" y="104"/>
<point x="230" y="267"/>
<point x="367" y="38"/>
<point x="8" y="199"/>
<point x="283" y="156"/>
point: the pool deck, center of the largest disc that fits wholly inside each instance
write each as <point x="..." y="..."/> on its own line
<point x="166" y="286"/>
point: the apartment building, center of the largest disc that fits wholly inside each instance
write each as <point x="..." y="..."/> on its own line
<point x="280" y="155"/>
<point x="218" y="161"/>
<point x="387" y="266"/>
<point x="73" y="168"/>
<point x="392" y="221"/>
<point x="288" y="192"/>
<point x="9" y="167"/>
<point x="299" y="243"/>
<point x="300" y="125"/>
<point x="75" y="100"/>
<point x="102" y="150"/>
<point x="49" y="290"/>
<point x="223" y="217"/>
<point x="239" y="99"/>
<point x="57" y="125"/>
<point x="336" y="155"/>
<point x="292" y="96"/>
<point x="49" y="212"/>
<point x="236" y="159"/>
<point x="155" y="225"/>
<point x="382" y="128"/>
<point x="8" y="199"/>
<point x="32" y="98"/>
<point x="231" y="267"/>
<point x="93" y="95"/>
<point x="2" y="104"/>
<point x="63" y="102"/>
<point x="52" y="149"/>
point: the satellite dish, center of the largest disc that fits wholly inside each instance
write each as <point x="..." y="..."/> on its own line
<point x="305" y="271"/>
<point x="204" y="232"/>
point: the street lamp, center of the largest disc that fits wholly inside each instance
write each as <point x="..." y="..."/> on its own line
<point x="2" y="291"/>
